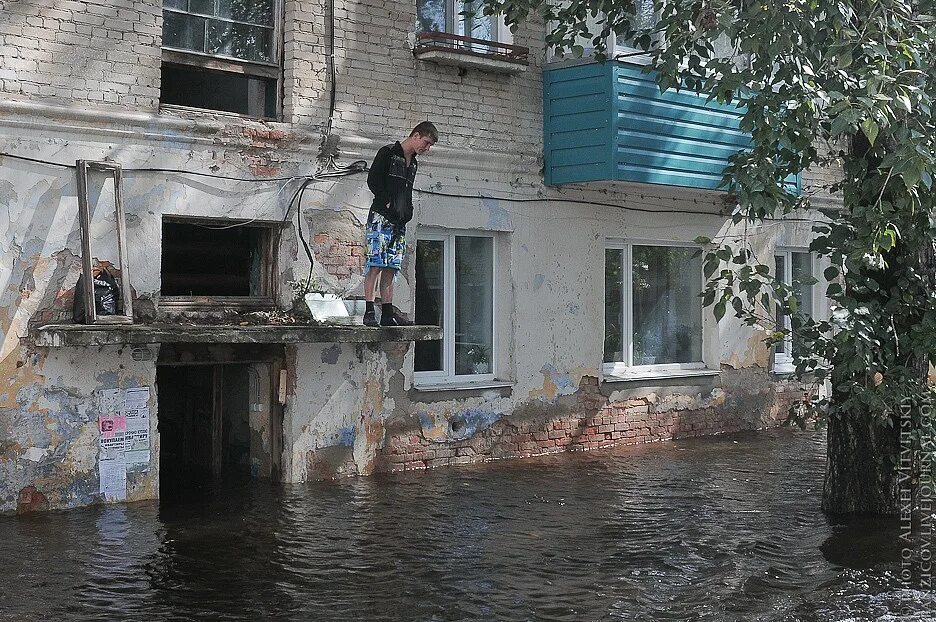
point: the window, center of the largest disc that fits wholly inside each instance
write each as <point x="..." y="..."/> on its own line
<point x="455" y="290"/>
<point x="457" y="17"/>
<point x="653" y="312"/>
<point x="795" y="269"/>
<point x="644" y="18"/>
<point x="210" y="263"/>
<point x="221" y="55"/>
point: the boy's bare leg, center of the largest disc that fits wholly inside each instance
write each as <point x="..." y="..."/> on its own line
<point x="370" y="289"/>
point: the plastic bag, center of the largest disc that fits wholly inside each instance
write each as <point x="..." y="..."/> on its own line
<point x="107" y="299"/>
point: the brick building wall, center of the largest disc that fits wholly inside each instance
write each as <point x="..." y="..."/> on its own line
<point x="102" y="53"/>
<point x="593" y="422"/>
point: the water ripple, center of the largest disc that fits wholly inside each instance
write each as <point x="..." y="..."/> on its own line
<point x="720" y="529"/>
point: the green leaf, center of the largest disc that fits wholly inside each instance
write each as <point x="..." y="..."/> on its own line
<point x="870" y="129"/>
<point x="903" y="102"/>
<point x="840" y="124"/>
<point x="720" y="310"/>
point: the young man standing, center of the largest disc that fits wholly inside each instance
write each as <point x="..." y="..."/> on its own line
<point x="391" y="180"/>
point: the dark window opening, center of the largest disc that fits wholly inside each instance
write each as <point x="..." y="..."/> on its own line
<point x="215" y="260"/>
<point x="225" y="91"/>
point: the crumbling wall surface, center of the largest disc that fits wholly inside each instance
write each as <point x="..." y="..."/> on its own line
<point x="463" y="433"/>
<point x="49" y="437"/>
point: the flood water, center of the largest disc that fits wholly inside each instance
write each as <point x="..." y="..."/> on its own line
<point x="727" y="528"/>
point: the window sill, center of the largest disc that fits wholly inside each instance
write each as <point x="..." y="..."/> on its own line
<point x="433" y="387"/>
<point x="660" y="374"/>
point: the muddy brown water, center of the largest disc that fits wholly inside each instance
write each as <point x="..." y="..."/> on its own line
<point x="717" y="529"/>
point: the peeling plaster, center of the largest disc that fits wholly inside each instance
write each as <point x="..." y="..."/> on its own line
<point x="330" y="355"/>
<point x="556" y="383"/>
<point x="448" y="427"/>
<point x="498" y="217"/>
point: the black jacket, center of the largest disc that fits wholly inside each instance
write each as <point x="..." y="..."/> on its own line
<point x="391" y="181"/>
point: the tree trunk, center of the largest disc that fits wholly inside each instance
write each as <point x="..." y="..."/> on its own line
<point x="860" y="477"/>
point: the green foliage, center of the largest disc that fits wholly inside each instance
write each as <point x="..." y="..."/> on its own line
<point x="820" y="82"/>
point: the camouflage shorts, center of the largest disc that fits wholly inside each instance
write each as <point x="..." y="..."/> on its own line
<point x="386" y="243"/>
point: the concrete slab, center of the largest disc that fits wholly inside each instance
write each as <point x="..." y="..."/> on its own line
<point x="80" y="335"/>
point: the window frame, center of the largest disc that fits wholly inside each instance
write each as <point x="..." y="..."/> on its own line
<point x="270" y="70"/>
<point x="501" y="31"/>
<point x="83" y="169"/>
<point x="783" y="362"/>
<point x="447" y="375"/>
<point x="627" y="53"/>
<point x="626" y="369"/>
<point x="269" y="284"/>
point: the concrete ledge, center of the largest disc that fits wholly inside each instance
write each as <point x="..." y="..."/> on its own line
<point x="79" y="335"/>
<point x="460" y="59"/>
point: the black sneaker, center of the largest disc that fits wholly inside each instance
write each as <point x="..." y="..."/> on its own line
<point x="394" y="318"/>
<point x="370" y="319"/>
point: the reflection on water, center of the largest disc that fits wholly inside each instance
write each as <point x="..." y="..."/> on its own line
<point x="713" y="529"/>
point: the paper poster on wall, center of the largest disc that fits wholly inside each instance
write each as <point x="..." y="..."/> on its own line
<point x="138" y="447"/>
<point x="136" y="408"/>
<point x="124" y="438"/>
<point x="113" y="474"/>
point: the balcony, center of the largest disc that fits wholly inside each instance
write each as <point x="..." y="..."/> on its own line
<point x="447" y="49"/>
<point x="609" y="122"/>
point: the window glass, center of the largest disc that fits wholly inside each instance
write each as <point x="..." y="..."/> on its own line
<point x="780" y="346"/>
<point x="183" y="31"/>
<point x="795" y="270"/>
<point x="614" y="305"/>
<point x="251" y="11"/>
<point x="430" y="15"/>
<point x="463" y="307"/>
<point x="460" y="17"/>
<point x="241" y="29"/>
<point x="802" y="287"/>
<point x="474" y="293"/>
<point x="471" y="20"/>
<point x="667" y="310"/>
<point x="644" y="18"/>
<point x="653" y="309"/>
<point x="430" y="297"/>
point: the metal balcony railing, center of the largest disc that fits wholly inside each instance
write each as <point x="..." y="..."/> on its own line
<point x="447" y="42"/>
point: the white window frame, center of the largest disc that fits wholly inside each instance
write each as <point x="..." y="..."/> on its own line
<point x="501" y="32"/>
<point x="627" y="52"/>
<point x="783" y="362"/>
<point x="447" y="375"/>
<point x="626" y="369"/>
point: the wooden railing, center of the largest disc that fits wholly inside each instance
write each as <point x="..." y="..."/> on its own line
<point x="447" y="42"/>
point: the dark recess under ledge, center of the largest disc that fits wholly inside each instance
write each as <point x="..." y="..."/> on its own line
<point x="65" y="335"/>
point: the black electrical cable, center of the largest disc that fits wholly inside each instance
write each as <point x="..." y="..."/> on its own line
<point x="34" y="160"/>
<point x="330" y="59"/>
<point x="305" y="244"/>
<point x="360" y="166"/>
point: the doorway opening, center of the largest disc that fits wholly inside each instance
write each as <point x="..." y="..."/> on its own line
<point x="215" y="426"/>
